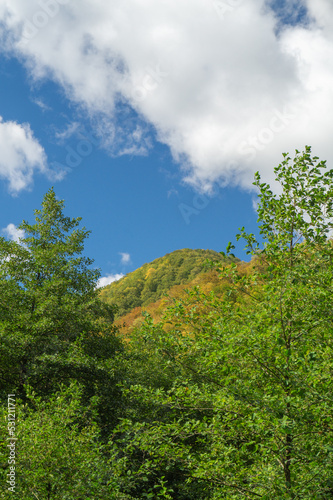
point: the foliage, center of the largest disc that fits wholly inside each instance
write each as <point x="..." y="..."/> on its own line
<point x="53" y="326"/>
<point x="151" y="281"/>
<point x="227" y="396"/>
<point x="249" y="411"/>
<point x="58" y="453"/>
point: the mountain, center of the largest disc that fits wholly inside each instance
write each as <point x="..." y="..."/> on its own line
<point x="152" y="281"/>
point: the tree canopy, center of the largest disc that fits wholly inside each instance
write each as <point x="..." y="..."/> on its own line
<point x="151" y="281"/>
<point x="227" y="396"/>
<point x="53" y="327"/>
<point x="247" y="409"/>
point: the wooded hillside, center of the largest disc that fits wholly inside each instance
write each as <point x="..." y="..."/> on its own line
<point x="224" y="393"/>
<point x="151" y="281"/>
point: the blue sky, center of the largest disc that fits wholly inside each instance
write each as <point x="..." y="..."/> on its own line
<point x="150" y="118"/>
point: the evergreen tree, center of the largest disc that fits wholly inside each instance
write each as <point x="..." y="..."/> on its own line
<point x="53" y="327"/>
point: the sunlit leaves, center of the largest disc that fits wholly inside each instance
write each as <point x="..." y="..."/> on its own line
<point x="248" y="410"/>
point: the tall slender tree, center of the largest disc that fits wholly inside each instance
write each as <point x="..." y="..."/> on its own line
<point x="250" y="411"/>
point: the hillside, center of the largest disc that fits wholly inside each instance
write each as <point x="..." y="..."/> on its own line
<point x="152" y="281"/>
<point x="207" y="282"/>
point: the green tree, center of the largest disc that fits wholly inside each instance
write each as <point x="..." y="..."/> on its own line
<point x="58" y="454"/>
<point x="249" y="414"/>
<point x="53" y="327"/>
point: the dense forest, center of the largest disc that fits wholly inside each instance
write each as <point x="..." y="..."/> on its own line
<point x="225" y="393"/>
<point x="151" y="281"/>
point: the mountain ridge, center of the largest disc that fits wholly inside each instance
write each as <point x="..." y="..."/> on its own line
<point x="153" y="280"/>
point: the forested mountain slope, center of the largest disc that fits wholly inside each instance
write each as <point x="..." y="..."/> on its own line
<point x="223" y="391"/>
<point x="153" y="280"/>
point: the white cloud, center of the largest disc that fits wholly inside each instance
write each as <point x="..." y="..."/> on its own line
<point x="13" y="233"/>
<point x="41" y="104"/>
<point x="226" y="93"/>
<point x="125" y="258"/>
<point x="110" y="278"/>
<point x="21" y="155"/>
<point x="70" y="130"/>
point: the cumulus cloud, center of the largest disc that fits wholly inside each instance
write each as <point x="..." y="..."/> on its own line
<point x="227" y="89"/>
<point x="21" y="155"/>
<point x="13" y="233"/>
<point x="125" y="258"/>
<point x="110" y="278"/>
